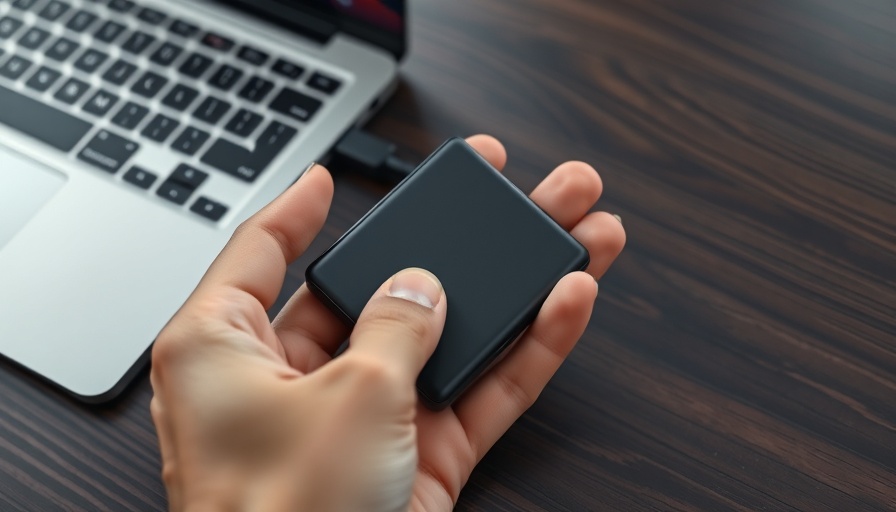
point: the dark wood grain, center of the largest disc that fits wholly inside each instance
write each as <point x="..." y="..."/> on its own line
<point x="743" y="352"/>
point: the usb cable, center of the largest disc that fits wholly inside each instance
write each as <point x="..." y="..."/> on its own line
<point x="371" y="156"/>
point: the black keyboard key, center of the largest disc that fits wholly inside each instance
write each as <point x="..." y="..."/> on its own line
<point x="81" y="21"/>
<point x="139" y="177"/>
<point x="138" y="42"/>
<point x="72" y="91"/>
<point x="90" y="60"/>
<point x="211" y="110"/>
<point x="174" y="192"/>
<point x="256" y="89"/>
<point x="166" y="54"/>
<point x="188" y="176"/>
<point x="108" y="151"/>
<point x="54" y="10"/>
<point x="62" y="49"/>
<point x="119" y="72"/>
<point x="101" y="103"/>
<point x="109" y="32"/>
<point x="43" y="79"/>
<point x="45" y="123"/>
<point x="190" y="141"/>
<point x="130" y="115"/>
<point x="183" y="29"/>
<point x="34" y="38"/>
<point x="121" y="5"/>
<point x="217" y="42"/>
<point x="211" y="210"/>
<point x="9" y="26"/>
<point x="244" y="123"/>
<point x="149" y="84"/>
<point x="180" y="97"/>
<point x="296" y="105"/>
<point x="247" y="164"/>
<point x="324" y="83"/>
<point x="288" y="69"/>
<point x="152" y="16"/>
<point x="160" y="128"/>
<point x="15" y="67"/>
<point x="24" y="4"/>
<point x="225" y="77"/>
<point x="253" y="56"/>
<point x="195" y="65"/>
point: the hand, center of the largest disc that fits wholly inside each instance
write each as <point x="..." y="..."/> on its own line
<point x="258" y="416"/>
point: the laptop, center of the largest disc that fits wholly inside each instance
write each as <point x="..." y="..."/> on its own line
<point x="135" y="135"/>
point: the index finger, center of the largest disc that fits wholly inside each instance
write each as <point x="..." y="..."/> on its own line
<point x="256" y="257"/>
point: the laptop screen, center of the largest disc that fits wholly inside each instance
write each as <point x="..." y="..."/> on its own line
<point x="384" y="14"/>
<point x="380" y="22"/>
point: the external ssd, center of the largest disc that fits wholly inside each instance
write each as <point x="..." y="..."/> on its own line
<point x="496" y="253"/>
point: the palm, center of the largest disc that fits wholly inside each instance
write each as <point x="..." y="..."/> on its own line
<point x="439" y="477"/>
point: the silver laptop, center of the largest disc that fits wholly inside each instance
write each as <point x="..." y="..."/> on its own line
<point x="135" y="135"/>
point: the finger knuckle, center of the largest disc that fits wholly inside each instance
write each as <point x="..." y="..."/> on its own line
<point x="167" y="349"/>
<point x="398" y="317"/>
<point x="170" y="474"/>
<point x="375" y="376"/>
<point x="374" y="371"/>
<point x="178" y="339"/>
<point x="518" y="394"/>
<point x="156" y="410"/>
<point x="245" y="227"/>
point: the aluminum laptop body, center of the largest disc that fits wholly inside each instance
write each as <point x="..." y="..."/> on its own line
<point x="113" y="204"/>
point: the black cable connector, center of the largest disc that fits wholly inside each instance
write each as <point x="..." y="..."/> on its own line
<point x="370" y="156"/>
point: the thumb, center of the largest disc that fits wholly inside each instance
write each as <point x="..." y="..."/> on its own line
<point x="401" y="325"/>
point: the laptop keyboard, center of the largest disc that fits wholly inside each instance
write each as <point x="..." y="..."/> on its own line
<point x="155" y="80"/>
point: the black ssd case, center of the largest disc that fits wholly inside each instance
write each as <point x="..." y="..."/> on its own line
<point x="497" y="254"/>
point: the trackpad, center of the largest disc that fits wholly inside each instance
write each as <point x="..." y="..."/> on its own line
<point x="25" y="186"/>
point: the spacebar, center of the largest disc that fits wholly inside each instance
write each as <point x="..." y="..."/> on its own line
<point x="56" y="128"/>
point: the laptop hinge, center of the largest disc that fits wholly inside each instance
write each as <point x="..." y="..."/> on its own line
<point x="295" y="17"/>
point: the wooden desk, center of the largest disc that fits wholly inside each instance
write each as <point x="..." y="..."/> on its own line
<point x="743" y="354"/>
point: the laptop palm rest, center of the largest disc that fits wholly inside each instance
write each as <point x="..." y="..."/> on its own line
<point x="25" y="186"/>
